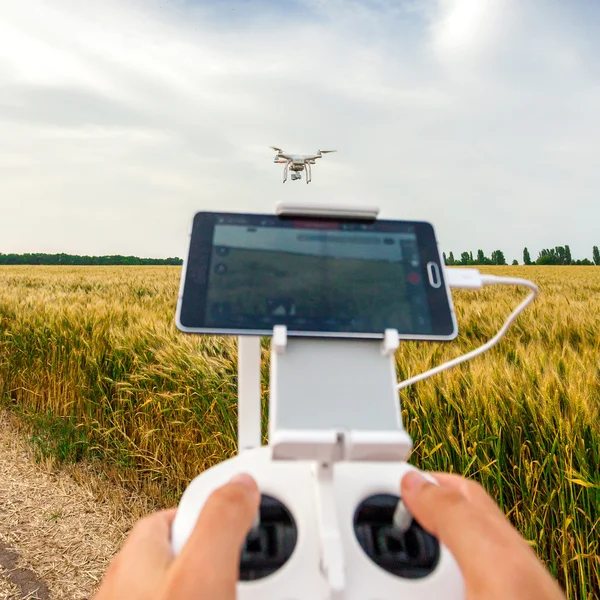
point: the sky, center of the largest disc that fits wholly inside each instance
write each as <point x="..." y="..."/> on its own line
<point x="120" y="119"/>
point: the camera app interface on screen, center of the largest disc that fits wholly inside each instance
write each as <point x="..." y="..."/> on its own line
<point x="320" y="277"/>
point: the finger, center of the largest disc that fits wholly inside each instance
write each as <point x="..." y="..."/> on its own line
<point x="471" y="490"/>
<point x="481" y="543"/>
<point x="151" y="537"/>
<point x="143" y="561"/>
<point x="473" y="535"/>
<point x="208" y="565"/>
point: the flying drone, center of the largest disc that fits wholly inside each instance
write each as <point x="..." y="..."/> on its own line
<point x="297" y="162"/>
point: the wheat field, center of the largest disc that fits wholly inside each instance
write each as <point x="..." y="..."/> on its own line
<point x="91" y="359"/>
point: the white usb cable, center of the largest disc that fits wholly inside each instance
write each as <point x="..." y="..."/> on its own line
<point x="472" y="279"/>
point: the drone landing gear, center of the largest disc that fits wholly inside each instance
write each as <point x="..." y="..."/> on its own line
<point x="285" y="171"/>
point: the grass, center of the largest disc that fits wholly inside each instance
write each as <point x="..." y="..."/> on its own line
<point x="91" y="358"/>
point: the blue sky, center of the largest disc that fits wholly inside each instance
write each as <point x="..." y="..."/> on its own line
<point x="120" y="119"/>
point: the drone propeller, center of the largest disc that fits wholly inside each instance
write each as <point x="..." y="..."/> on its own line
<point x="326" y="151"/>
<point x="274" y="148"/>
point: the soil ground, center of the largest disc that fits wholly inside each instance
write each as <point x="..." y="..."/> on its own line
<point x="59" y="527"/>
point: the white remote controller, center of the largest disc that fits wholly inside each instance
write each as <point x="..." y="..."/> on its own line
<point x="327" y="537"/>
<point x="330" y="526"/>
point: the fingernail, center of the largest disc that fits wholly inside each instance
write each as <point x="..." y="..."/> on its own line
<point x="413" y="481"/>
<point x="245" y="480"/>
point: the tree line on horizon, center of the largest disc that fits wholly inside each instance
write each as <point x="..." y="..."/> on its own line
<point x="75" y="259"/>
<point x="559" y="255"/>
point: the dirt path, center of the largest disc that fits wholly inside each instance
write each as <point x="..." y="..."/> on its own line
<point x="59" y="528"/>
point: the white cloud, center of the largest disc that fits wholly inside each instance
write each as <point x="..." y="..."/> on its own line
<point x="120" y="119"/>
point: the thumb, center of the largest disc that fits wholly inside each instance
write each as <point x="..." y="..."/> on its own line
<point x="472" y="532"/>
<point x="483" y="542"/>
<point x="208" y="565"/>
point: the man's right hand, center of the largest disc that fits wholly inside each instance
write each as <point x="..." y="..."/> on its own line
<point x="495" y="561"/>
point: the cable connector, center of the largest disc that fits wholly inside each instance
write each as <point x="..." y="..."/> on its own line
<point x="469" y="279"/>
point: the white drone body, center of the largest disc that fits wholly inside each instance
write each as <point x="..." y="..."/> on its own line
<point x="297" y="163"/>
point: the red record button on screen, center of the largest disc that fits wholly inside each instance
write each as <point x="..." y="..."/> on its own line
<point x="414" y="278"/>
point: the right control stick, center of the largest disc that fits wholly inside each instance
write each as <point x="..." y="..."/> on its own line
<point x="413" y="553"/>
